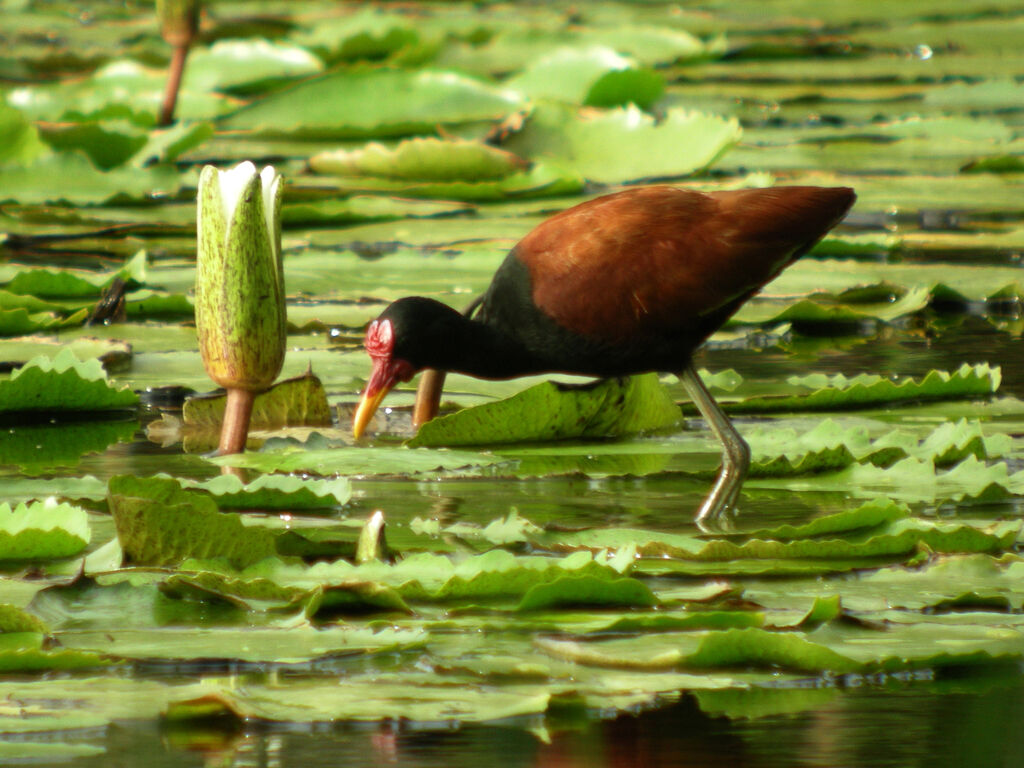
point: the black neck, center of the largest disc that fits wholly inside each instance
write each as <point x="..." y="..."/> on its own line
<point x="481" y="350"/>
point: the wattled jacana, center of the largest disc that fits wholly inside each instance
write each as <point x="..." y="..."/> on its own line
<point x="627" y="283"/>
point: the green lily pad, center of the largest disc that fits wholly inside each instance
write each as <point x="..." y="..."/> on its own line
<point x="552" y="412"/>
<point x="42" y="530"/>
<point x="160" y="523"/>
<point x="19" y="139"/>
<point x="595" y="76"/>
<point x="299" y="401"/>
<point x="422" y="159"/>
<point x="625" y="144"/>
<point x="369" y="102"/>
<point x="63" y="383"/>
<point x="246" y="65"/>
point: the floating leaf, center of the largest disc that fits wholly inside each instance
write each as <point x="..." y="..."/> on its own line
<point x="625" y="144"/>
<point x="123" y="87"/>
<point x="542" y="180"/>
<point x="383" y="102"/>
<point x="550" y="411"/>
<point x="23" y="652"/>
<point x="42" y="530"/>
<point x="160" y="523"/>
<point x="75" y="284"/>
<point x="275" y="492"/>
<point x="13" y="619"/>
<point x="422" y="159"/>
<point x="595" y="76"/>
<point x="19" y="139"/>
<point x="839" y="392"/>
<point x="246" y="65"/>
<point x="291" y="645"/>
<point x="357" y="461"/>
<point x="363" y="208"/>
<point x="295" y="402"/>
<point x="62" y="383"/>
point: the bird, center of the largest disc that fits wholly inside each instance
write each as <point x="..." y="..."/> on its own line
<point x="627" y="283"/>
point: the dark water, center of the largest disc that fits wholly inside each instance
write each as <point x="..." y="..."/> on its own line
<point x="960" y="721"/>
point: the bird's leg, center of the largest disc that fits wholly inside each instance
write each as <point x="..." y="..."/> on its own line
<point x="735" y="451"/>
<point x="428" y="396"/>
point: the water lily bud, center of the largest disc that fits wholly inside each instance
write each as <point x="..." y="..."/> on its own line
<point x="179" y="20"/>
<point x="240" y="309"/>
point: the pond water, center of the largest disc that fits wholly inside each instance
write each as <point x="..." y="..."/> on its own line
<point x="549" y="603"/>
<point x="965" y="722"/>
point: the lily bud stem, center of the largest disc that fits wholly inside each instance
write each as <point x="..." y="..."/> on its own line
<point x="235" y="429"/>
<point x="174" y="73"/>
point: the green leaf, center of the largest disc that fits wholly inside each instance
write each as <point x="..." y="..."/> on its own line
<point x="160" y="523"/>
<point x="42" y="530"/>
<point x="422" y="159"/>
<point x="297" y="402"/>
<point x="13" y="619"/>
<point x="542" y="180"/>
<point x="596" y="76"/>
<point x="122" y="87"/>
<point x="63" y="383"/>
<point x="280" y="645"/>
<point x="275" y="492"/>
<point x="839" y="392"/>
<point x="107" y="144"/>
<point x="19" y="139"/>
<point x="624" y="144"/>
<point x="838" y="538"/>
<point x="364" y="208"/>
<point x="364" y="461"/>
<point x="551" y="411"/>
<point x="871" y="515"/>
<point x="741" y="647"/>
<point x="246" y="65"/>
<point x="375" y="102"/>
<point x="82" y="183"/>
<point x="22" y="652"/>
<point x="73" y="284"/>
<point x="587" y="590"/>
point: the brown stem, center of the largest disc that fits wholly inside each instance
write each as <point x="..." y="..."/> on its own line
<point x="174" y="73"/>
<point x="236" y="471"/>
<point x="428" y="396"/>
<point x="235" y="429"/>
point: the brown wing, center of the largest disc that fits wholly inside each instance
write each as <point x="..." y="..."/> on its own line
<point x="657" y="261"/>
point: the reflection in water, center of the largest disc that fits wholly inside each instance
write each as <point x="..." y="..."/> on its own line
<point x="963" y="722"/>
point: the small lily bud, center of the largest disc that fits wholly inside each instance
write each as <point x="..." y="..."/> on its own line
<point x="179" y="21"/>
<point x="240" y="308"/>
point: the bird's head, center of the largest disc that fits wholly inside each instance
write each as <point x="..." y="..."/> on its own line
<point x="404" y="340"/>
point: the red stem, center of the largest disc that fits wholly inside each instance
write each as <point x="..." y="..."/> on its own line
<point x="235" y="429"/>
<point x="174" y="73"/>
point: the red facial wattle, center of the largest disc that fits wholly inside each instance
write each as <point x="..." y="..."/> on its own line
<point x="387" y="372"/>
